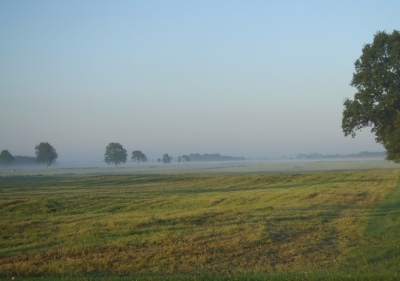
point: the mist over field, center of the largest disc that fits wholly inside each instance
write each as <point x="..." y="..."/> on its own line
<point x="243" y="79"/>
<point x="199" y="140"/>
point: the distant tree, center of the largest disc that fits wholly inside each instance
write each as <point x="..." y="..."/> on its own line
<point x="213" y="157"/>
<point x="115" y="154"/>
<point x="185" y="158"/>
<point x="45" y="153"/>
<point x="377" y="101"/>
<point x="24" y="160"/>
<point x="6" y="157"/>
<point x="179" y="159"/>
<point x="166" y="158"/>
<point x="138" y="156"/>
<point x="158" y="160"/>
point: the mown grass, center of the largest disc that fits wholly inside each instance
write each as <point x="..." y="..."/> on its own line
<point x="310" y="226"/>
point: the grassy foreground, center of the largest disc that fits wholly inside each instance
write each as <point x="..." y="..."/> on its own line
<point x="310" y="226"/>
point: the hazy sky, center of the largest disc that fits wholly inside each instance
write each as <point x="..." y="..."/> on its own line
<point x="239" y="78"/>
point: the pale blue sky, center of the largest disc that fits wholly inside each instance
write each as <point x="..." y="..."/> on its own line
<point x="240" y="78"/>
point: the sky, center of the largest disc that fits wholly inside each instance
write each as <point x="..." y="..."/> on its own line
<point x="239" y="78"/>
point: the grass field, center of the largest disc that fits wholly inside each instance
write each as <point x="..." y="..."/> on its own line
<point x="331" y="225"/>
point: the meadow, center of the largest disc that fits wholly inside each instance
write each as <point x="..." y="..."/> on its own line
<point x="221" y="222"/>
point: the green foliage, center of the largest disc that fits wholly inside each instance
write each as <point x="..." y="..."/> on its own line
<point x="115" y="154"/>
<point x="6" y="157"/>
<point x="166" y="158"/>
<point x="377" y="101"/>
<point x="45" y="153"/>
<point x="138" y="156"/>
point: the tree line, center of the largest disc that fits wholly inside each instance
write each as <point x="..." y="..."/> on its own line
<point x="115" y="154"/>
<point x="45" y="153"/>
<point x="213" y="157"/>
<point x="363" y="154"/>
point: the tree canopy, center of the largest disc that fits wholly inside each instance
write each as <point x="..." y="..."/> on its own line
<point x="6" y="157"/>
<point x="138" y="156"/>
<point x="115" y="154"/>
<point x="45" y="153"/>
<point x="377" y="101"/>
<point x="166" y="158"/>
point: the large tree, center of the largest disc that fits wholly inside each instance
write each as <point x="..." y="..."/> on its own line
<point x="6" y="157"/>
<point x="377" y="101"/>
<point x="115" y="154"/>
<point x="45" y="153"/>
<point x="138" y="156"/>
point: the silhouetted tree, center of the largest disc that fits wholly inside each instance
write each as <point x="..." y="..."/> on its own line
<point x="6" y="157"/>
<point x="45" y="153"/>
<point x="185" y="158"/>
<point x="166" y="158"/>
<point x="138" y="156"/>
<point x="179" y="159"/>
<point x="115" y="154"/>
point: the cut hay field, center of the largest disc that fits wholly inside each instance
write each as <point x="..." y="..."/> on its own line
<point x="332" y="225"/>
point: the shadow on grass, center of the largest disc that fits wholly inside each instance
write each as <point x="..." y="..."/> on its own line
<point x="381" y="245"/>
